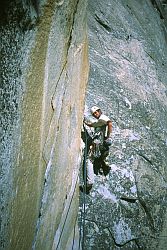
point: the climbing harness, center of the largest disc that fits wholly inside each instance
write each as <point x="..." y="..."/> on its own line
<point x="96" y="148"/>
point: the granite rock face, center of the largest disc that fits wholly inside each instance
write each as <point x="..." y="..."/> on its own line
<point x="44" y="68"/>
<point x="128" y="80"/>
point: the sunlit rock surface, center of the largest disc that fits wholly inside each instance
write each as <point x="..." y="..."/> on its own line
<point x="128" y="79"/>
<point x="44" y="68"/>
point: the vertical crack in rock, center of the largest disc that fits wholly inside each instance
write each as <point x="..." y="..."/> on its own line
<point x="71" y="30"/>
<point x="64" y="216"/>
<point x="68" y="47"/>
<point x="65" y="64"/>
<point x="145" y="207"/>
<point x="148" y="213"/>
<point x="49" y="164"/>
<point x="58" y="103"/>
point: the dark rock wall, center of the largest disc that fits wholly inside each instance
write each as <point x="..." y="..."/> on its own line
<point x="44" y="66"/>
<point x="128" y="79"/>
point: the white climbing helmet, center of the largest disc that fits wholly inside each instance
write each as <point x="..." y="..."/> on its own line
<point x="93" y="109"/>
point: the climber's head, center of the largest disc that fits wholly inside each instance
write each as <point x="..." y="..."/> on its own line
<point x="96" y="111"/>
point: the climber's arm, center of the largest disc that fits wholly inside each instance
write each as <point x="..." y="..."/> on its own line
<point x="88" y="124"/>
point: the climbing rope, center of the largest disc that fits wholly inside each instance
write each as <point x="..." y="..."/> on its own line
<point x="82" y="224"/>
<point x="74" y="235"/>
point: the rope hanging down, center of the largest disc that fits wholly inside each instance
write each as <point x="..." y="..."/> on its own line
<point x="82" y="225"/>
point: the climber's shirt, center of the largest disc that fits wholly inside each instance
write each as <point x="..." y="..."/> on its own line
<point x="100" y="124"/>
<point x="103" y="119"/>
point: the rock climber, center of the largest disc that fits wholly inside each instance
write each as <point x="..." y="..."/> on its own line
<point x="97" y="146"/>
